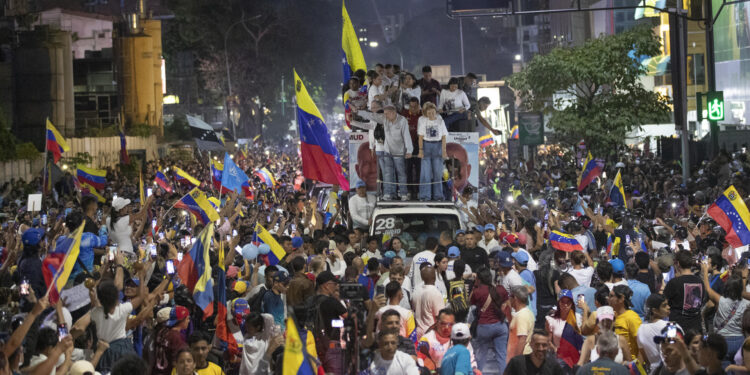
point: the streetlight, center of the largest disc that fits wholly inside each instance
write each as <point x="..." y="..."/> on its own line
<point x="518" y="57"/>
<point x="226" y="62"/>
<point x="374" y="44"/>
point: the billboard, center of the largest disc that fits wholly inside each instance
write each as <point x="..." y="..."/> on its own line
<point x="463" y="164"/>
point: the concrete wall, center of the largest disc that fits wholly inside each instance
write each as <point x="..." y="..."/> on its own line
<point x="105" y="151"/>
<point x="93" y="32"/>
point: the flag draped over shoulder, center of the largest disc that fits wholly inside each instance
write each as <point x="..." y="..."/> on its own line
<point x="56" y="144"/>
<point x="277" y="252"/>
<point x="563" y="241"/>
<point x="57" y="265"/>
<point x="197" y="204"/>
<point x="617" y="193"/>
<point x="731" y="213"/>
<point x="571" y="342"/>
<point x="592" y="168"/>
<point x="195" y="271"/>
<point x="352" y="57"/>
<point x="320" y="158"/>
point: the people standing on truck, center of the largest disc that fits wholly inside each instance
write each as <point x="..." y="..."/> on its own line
<point x="453" y="104"/>
<point x="412" y="112"/>
<point x="430" y="87"/>
<point x="397" y="147"/>
<point x="432" y="142"/>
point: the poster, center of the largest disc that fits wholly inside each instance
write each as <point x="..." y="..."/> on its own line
<point x="531" y="128"/>
<point x="463" y="160"/>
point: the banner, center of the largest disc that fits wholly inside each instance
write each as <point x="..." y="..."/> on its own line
<point x="531" y="128"/>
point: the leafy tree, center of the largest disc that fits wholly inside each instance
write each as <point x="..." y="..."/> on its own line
<point x="600" y="97"/>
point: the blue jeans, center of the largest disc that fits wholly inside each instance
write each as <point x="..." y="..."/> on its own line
<point x="453" y="118"/>
<point x="381" y="168"/>
<point x="734" y="343"/>
<point x="394" y="171"/>
<point x="431" y="176"/>
<point x="493" y="336"/>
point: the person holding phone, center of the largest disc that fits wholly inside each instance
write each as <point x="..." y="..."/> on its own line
<point x="30" y="262"/>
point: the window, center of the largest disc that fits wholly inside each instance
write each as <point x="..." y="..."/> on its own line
<point x="696" y="73"/>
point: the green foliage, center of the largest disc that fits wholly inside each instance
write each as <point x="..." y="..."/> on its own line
<point x="83" y="158"/>
<point x="140" y="130"/>
<point x="27" y="151"/>
<point x="7" y="145"/>
<point x="130" y="171"/>
<point x="601" y="98"/>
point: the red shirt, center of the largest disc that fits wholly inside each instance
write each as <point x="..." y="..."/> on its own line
<point x="479" y="296"/>
<point x="412" y="119"/>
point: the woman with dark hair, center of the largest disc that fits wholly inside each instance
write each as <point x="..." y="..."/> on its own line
<point x="453" y="104"/>
<point x="50" y="352"/>
<point x="741" y="360"/>
<point x="409" y="89"/>
<point x="605" y="323"/>
<point x="441" y="280"/>
<point x="398" y="247"/>
<point x="730" y="306"/>
<point x="546" y="287"/>
<point x="184" y="362"/>
<point x="492" y="330"/>
<point x="111" y="318"/>
<point x="532" y="235"/>
<point x="657" y="309"/>
<point x="627" y="321"/>
<point x="259" y="342"/>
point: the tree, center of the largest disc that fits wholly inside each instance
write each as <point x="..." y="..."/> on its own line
<point x="600" y="97"/>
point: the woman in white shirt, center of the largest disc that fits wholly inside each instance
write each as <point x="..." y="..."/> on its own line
<point x="122" y="221"/>
<point x="432" y="134"/>
<point x="376" y="91"/>
<point x="409" y="89"/>
<point x="453" y="104"/>
<point x="259" y="343"/>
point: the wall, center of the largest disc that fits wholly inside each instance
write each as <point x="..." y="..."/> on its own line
<point x="105" y="151"/>
<point x="93" y="32"/>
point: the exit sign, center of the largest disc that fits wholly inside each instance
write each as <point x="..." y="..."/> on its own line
<point x="715" y="105"/>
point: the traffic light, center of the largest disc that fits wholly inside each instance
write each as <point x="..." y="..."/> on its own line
<point x="715" y="105"/>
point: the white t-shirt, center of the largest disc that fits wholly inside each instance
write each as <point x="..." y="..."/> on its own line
<point x="414" y="272"/>
<point x="431" y="130"/>
<point x="113" y="327"/>
<point x="452" y="101"/>
<point x="646" y="334"/>
<point x="401" y="364"/>
<point x="611" y="285"/>
<point x="488" y="246"/>
<point x="583" y="276"/>
<point x="373" y="91"/>
<point x="40" y="358"/>
<point x="253" y="350"/>
<point x="451" y="275"/>
<point x="512" y="279"/>
<point x="121" y="234"/>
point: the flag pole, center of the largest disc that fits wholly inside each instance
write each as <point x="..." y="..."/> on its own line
<point x="44" y="172"/>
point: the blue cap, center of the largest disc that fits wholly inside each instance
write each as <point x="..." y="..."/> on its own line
<point x="617" y="265"/>
<point x="460" y="231"/>
<point x="453" y="252"/>
<point x="565" y="293"/>
<point x="504" y="258"/>
<point x="390" y="254"/>
<point x="297" y="242"/>
<point x="479" y="228"/>
<point x="360" y="184"/>
<point x="521" y="257"/>
<point x="32" y="236"/>
<point x="489" y="227"/>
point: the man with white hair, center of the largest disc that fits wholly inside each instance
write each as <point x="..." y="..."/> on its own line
<point x="607" y="345"/>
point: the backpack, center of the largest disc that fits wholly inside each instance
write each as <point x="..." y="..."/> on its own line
<point x="458" y="300"/>
<point x="314" y="323"/>
<point x="256" y="302"/>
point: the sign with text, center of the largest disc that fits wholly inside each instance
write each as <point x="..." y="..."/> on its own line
<point x="531" y="128"/>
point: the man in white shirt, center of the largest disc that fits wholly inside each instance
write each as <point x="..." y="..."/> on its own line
<point x="454" y="254"/>
<point x="511" y="277"/>
<point x="389" y="360"/>
<point x="360" y="208"/>
<point x="426" y="256"/>
<point x="394" y="294"/>
<point x="427" y="302"/>
<point x="489" y="240"/>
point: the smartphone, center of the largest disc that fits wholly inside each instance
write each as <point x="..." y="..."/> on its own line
<point x="229" y="238"/>
<point x="183" y="242"/>
<point x="187" y="241"/>
<point x="380" y="289"/>
<point x="62" y="331"/>
<point x="627" y="238"/>
<point x="238" y="249"/>
<point x="153" y="223"/>
<point x="748" y="263"/>
<point x="152" y="250"/>
<point x="44" y="219"/>
<point x="673" y="244"/>
<point x="114" y="195"/>
<point x="112" y="250"/>
<point x="704" y="259"/>
<point x="24" y="287"/>
<point x="149" y="191"/>
<point x="671" y="332"/>
<point x="170" y="267"/>
<point x="234" y="232"/>
<point x="161" y="235"/>
<point x="337" y="323"/>
<point x="179" y="256"/>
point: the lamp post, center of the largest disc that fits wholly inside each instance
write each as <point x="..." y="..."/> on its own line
<point x="226" y="64"/>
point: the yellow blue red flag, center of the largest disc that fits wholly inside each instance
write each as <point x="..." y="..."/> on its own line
<point x="55" y="142"/>
<point x="351" y="52"/>
<point x="196" y="202"/>
<point x="617" y="193"/>
<point x="296" y="360"/>
<point x="277" y="252"/>
<point x="731" y="213"/>
<point x="58" y="265"/>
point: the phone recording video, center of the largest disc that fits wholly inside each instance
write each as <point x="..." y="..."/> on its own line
<point x="170" y="267"/>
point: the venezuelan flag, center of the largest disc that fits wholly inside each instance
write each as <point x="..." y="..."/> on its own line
<point x="266" y="176"/>
<point x="613" y="245"/>
<point x="197" y="204"/>
<point x="94" y="177"/>
<point x="296" y="360"/>
<point x="514" y="132"/>
<point x="222" y="329"/>
<point x="277" y="252"/>
<point x="563" y="241"/>
<point x="195" y="271"/>
<point x="571" y="343"/>
<point x="85" y="189"/>
<point x="141" y="191"/>
<point x="162" y="181"/>
<point x="592" y="168"/>
<point x="124" y="158"/>
<point x="617" y="193"/>
<point x="55" y="142"/>
<point x="351" y="52"/>
<point x="217" y="168"/>
<point x="411" y="329"/>
<point x="184" y="178"/>
<point x="58" y="265"/>
<point x="486" y="140"/>
<point x="731" y="213"/>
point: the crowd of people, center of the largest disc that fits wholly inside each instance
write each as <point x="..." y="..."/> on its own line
<point x="651" y="286"/>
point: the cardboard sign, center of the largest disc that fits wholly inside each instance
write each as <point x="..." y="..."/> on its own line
<point x="75" y="297"/>
<point x="35" y="203"/>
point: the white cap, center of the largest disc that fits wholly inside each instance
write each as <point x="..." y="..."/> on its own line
<point x="82" y="367"/>
<point x="620" y="165"/>
<point x="118" y="203"/>
<point x="605" y="312"/>
<point x="460" y="331"/>
<point x="163" y="314"/>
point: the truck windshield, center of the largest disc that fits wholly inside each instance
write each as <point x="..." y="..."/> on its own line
<point x="414" y="229"/>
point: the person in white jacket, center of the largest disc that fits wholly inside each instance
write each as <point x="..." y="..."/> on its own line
<point x="453" y="104"/>
<point x="389" y="360"/>
<point x="360" y="208"/>
<point x="261" y="339"/>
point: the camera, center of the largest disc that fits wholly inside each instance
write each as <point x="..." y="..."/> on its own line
<point x="352" y="291"/>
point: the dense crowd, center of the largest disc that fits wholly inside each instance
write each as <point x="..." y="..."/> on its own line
<point x="648" y="286"/>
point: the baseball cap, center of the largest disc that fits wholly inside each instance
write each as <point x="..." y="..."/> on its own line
<point x="239" y="286"/>
<point x="389" y="106"/>
<point x="163" y="314"/>
<point x="297" y="242"/>
<point x="240" y="306"/>
<point x="511" y="239"/>
<point x="504" y="258"/>
<point x="665" y="261"/>
<point x="360" y="184"/>
<point x="390" y="254"/>
<point x="82" y="367"/>
<point x="658" y="339"/>
<point x="605" y="312"/>
<point x="133" y="280"/>
<point x="489" y="227"/>
<point x="617" y="265"/>
<point x="281" y="277"/>
<point x="32" y="236"/>
<point x="460" y="331"/>
<point x="521" y="257"/>
<point x="479" y="228"/>
<point x="118" y="203"/>
<point x="177" y="314"/>
<point x="460" y="231"/>
<point x="325" y="277"/>
<point x="565" y="293"/>
<point x="453" y="252"/>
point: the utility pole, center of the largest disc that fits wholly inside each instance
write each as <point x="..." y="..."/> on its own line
<point x="678" y="47"/>
<point x="711" y="70"/>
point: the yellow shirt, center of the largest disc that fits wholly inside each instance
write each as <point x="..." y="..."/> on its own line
<point x="211" y="369"/>
<point x="626" y="325"/>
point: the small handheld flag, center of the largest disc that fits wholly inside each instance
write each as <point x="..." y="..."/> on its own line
<point x="731" y="213"/>
<point x="197" y="204"/>
<point x="277" y="252"/>
<point x="58" y="265"/>
<point x="184" y="178"/>
<point x="563" y="241"/>
<point x="592" y="168"/>
<point x="486" y="141"/>
<point x="55" y="142"/>
<point x="514" y="132"/>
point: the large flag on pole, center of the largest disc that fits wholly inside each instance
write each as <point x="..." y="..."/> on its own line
<point x="195" y="271"/>
<point x="55" y="142"/>
<point x="592" y="168"/>
<point x="204" y="135"/>
<point x="222" y="329"/>
<point x="232" y="177"/>
<point x="320" y="158"/>
<point x="617" y="193"/>
<point x="296" y="359"/>
<point x="352" y="58"/>
<point x="97" y="178"/>
<point x="731" y="213"/>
